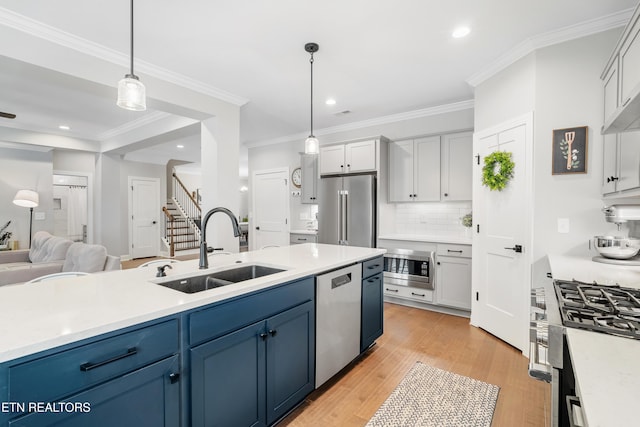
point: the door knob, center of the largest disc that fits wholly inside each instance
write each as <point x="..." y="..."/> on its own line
<point x="516" y="248"/>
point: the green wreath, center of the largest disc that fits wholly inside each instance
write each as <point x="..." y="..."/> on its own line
<point x="494" y="177"/>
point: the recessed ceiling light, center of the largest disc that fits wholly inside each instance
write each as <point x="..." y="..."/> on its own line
<point x="460" y="32"/>
<point x="64" y="127"/>
<point x="330" y="101"/>
<point x="180" y="146"/>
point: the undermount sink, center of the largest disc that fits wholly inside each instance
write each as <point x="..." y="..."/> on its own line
<point x="203" y="282"/>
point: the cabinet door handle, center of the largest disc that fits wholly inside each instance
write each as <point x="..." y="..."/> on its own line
<point x="417" y="295"/>
<point x="391" y="290"/>
<point x="272" y="332"/>
<point x="263" y="336"/>
<point x="89" y="366"/>
<point x="446" y="194"/>
<point x="174" y="377"/>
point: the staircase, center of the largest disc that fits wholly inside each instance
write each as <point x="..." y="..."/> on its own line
<point x="182" y="217"/>
<point x="180" y="231"/>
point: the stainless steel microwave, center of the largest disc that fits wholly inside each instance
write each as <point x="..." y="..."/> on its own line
<point x="406" y="267"/>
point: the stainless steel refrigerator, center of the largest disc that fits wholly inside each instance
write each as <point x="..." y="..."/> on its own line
<point x="347" y="210"/>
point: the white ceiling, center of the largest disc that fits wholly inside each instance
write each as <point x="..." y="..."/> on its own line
<point x="377" y="58"/>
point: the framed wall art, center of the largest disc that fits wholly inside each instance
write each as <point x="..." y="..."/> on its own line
<point x="569" y="150"/>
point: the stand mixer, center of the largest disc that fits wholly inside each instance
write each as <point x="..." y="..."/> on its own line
<point x="618" y="249"/>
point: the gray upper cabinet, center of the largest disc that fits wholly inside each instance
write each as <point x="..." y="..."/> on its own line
<point x="414" y="170"/>
<point x="309" y="178"/>
<point x="457" y="166"/>
<point x="434" y="168"/>
<point x="621" y="80"/>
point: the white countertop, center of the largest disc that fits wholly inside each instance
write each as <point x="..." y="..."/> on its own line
<point x="427" y="239"/>
<point x="606" y="367"/>
<point x="607" y="372"/>
<point x="585" y="270"/>
<point x="40" y="316"/>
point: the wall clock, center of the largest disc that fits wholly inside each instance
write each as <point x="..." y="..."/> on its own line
<point x="296" y="177"/>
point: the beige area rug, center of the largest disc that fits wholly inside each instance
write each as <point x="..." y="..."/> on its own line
<point x="429" y="396"/>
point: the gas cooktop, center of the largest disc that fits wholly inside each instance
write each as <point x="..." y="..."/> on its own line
<point x="609" y="309"/>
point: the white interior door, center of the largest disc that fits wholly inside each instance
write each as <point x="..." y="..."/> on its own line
<point x="501" y="273"/>
<point x="144" y="206"/>
<point x="270" y="222"/>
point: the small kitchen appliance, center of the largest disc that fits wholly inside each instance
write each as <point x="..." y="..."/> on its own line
<point x="620" y="249"/>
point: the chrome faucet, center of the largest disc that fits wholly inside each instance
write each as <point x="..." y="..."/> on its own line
<point x="204" y="260"/>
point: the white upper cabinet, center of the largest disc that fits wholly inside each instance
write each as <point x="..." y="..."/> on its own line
<point x="431" y="169"/>
<point x="348" y="158"/>
<point x="621" y="164"/>
<point x="457" y="166"/>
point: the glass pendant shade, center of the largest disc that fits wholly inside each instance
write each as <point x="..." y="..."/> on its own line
<point x="311" y="145"/>
<point x="131" y="94"/>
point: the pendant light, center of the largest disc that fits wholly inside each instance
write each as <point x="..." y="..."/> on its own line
<point x="311" y="144"/>
<point x="131" y="91"/>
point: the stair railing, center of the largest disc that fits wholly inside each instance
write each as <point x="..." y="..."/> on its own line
<point x="186" y="203"/>
<point x="169" y="226"/>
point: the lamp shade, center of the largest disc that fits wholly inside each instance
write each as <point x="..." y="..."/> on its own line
<point x="131" y="94"/>
<point x="26" y="199"/>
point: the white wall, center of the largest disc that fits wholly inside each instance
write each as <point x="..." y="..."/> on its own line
<point x="561" y="85"/>
<point x="22" y="170"/>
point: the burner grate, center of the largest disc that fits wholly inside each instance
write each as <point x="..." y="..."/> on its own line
<point x="609" y="309"/>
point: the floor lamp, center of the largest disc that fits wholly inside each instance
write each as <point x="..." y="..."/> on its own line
<point x="27" y="199"/>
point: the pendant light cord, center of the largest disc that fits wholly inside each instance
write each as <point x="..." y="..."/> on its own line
<point x="311" y="62"/>
<point x="132" y="74"/>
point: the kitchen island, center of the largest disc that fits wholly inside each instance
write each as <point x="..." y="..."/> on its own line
<point x="89" y="338"/>
<point x="606" y="370"/>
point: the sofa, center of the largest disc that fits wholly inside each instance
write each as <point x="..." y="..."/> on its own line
<point x="51" y="254"/>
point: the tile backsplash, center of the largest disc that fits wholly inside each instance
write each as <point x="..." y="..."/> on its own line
<point x="433" y="219"/>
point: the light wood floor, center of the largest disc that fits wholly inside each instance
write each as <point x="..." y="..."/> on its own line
<point x="440" y="340"/>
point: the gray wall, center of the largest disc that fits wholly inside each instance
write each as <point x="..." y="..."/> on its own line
<point x="561" y="85"/>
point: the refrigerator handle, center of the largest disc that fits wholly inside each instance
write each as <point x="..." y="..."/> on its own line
<point x="345" y="216"/>
<point x="340" y="217"/>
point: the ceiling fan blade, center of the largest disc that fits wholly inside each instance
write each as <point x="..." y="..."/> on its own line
<point x="7" y="115"/>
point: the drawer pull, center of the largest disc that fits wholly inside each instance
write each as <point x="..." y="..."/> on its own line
<point x="449" y="250"/>
<point x="301" y="239"/>
<point x="372" y="280"/>
<point x="371" y="267"/>
<point x="391" y="290"/>
<point x="418" y="295"/>
<point x="89" y="366"/>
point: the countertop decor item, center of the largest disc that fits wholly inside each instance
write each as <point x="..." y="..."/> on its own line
<point x="569" y="151"/>
<point x="467" y="220"/>
<point x="498" y="170"/>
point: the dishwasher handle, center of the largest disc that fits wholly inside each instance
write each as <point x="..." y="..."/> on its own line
<point x="342" y="280"/>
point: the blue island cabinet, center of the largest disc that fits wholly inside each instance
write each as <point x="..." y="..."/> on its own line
<point x="372" y="302"/>
<point x="123" y="379"/>
<point x="253" y="375"/>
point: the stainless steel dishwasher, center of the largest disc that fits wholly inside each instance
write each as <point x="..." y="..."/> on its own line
<point x="338" y="295"/>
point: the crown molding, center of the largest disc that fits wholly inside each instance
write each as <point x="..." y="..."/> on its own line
<point x="46" y="32"/>
<point x="571" y="32"/>
<point x="415" y="114"/>
<point x="134" y="124"/>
